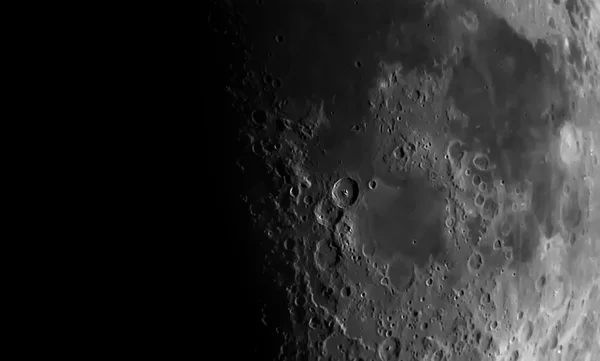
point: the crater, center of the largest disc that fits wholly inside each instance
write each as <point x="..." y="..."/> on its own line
<point x="540" y="283"/>
<point x="389" y="349"/>
<point x="497" y="245"/>
<point x="570" y="144"/>
<point x="489" y="209"/>
<point x="505" y="227"/>
<point x="326" y="213"/>
<point x="401" y="273"/>
<point x="345" y="192"/>
<point x="327" y="255"/>
<point x="475" y="262"/>
<point x="526" y="331"/>
<point x="570" y="211"/>
<point x="479" y="200"/>
<point x="554" y="293"/>
<point x="470" y="21"/>
<point x="481" y="162"/>
<point x="456" y="151"/>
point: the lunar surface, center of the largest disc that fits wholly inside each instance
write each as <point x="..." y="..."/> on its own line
<point x="416" y="180"/>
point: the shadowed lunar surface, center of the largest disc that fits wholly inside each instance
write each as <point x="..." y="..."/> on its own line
<point x="425" y="177"/>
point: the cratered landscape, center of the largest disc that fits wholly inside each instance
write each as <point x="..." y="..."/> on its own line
<point x="417" y="180"/>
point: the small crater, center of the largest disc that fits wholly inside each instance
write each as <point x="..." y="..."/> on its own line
<point x="481" y="162"/>
<point x="438" y="356"/>
<point x="489" y="209"/>
<point x="527" y="331"/>
<point x="400" y="153"/>
<point x="373" y="184"/>
<point x="475" y="262"/>
<point x="347" y="291"/>
<point x="280" y="38"/>
<point x="497" y="245"/>
<point x="508" y="254"/>
<point x="477" y="337"/>
<point x="479" y="200"/>
<point x="570" y="212"/>
<point x="554" y="293"/>
<point x="259" y="116"/>
<point x="570" y="147"/>
<point x="483" y="187"/>
<point x="470" y="21"/>
<point x="486" y="298"/>
<point x="487" y="343"/>
<point x="295" y="191"/>
<point x="540" y="283"/>
<point x="289" y="244"/>
<point x="514" y="356"/>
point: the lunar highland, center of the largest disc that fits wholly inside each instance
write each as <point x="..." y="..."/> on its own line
<point x="421" y="178"/>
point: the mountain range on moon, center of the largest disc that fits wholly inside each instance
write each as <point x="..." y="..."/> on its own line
<point x="418" y="180"/>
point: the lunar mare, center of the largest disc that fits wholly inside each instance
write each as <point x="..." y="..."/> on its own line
<point x="423" y="177"/>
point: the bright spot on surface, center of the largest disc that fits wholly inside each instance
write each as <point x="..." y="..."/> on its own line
<point x="570" y="151"/>
<point x="470" y="21"/>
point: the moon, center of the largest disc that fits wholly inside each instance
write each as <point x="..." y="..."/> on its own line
<point x="411" y="180"/>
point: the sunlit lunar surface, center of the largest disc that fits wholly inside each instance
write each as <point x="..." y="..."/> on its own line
<point x="430" y="178"/>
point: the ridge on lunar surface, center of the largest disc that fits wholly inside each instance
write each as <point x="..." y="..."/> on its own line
<point x="422" y="178"/>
